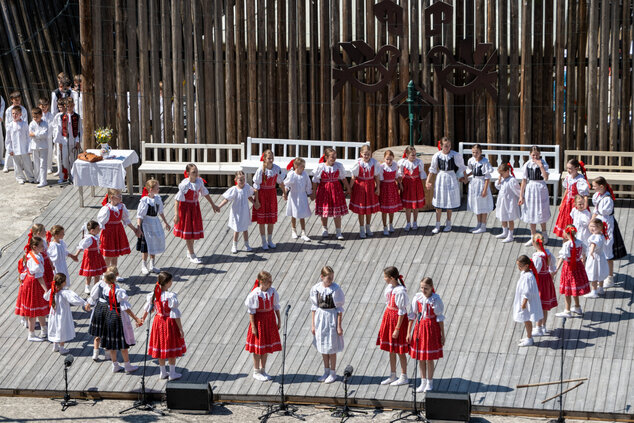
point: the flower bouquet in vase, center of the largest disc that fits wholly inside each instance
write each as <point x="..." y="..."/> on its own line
<point x="103" y="137"/>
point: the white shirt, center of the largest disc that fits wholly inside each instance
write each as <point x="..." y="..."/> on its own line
<point x="393" y="168"/>
<point x="367" y="166"/>
<point x="334" y="291"/>
<point x="18" y="140"/>
<point x="457" y="158"/>
<point x="483" y="166"/>
<point x="40" y="140"/>
<point x="8" y="117"/>
<point x="273" y="172"/>
<point x="58" y="252"/>
<point x="298" y="183"/>
<point x="323" y="167"/>
<point x="253" y="299"/>
<point x="566" y="249"/>
<point x="401" y="300"/>
<point x="603" y="205"/>
<point x="538" y="260"/>
<point x="411" y="166"/>
<point x="86" y="242"/>
<point x="240" y="215"/>
<point x="434" y="301"/>
<point x="146" y="202"/>
<point x="104" y="214"/>
<point x="166" y="296"/>
<point x="35" y="267"/>
<point x="582" y="185"/>
<point x="186" y="185"/>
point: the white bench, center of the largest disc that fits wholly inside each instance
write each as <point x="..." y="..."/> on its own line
<point x="311" y="151"/>
<point x="517" y="155"/>
<point x="211" y="159"/>
<point x="617" y="167"/>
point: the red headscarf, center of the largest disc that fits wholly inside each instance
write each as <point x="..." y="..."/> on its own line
<point x="540" y="244"/>
<point x="157" y="297"/>
<point x="112" y="298"/>
<point x="290" y="165"/>
<point x="511" y="170"/>
<point x="256" y="284"/>
<point x="533" y="269"/>
<point x="572" y="231"/>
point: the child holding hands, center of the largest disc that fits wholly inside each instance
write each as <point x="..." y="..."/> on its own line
<point x="152" y="240"/>
<point x="389" y="197"/>
<point x="298" y="184"/>
<point x="574" y="280"/>
<point x="265" y="182"/>
<point x="366" y="188"/>
<point x="239" y="217"/>
<point x="507" y="209"/>
<point x="330" y="197"/>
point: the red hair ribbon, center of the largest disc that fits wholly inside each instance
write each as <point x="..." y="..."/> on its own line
<point x="322" y="159"/>
<point x="400" y="278"/>
<point x="27" y="247"/>
<point x="112" y="298"/>
<point x="572" y="231"/>
<point x="49" y="236"/>
<point x="533" y="269"/>
<point x="440" y="144"/>
<point x="511" y="169"/>
<point x="605" y="231"/>
<point x="405" y="154"/>
<point x="157" y="297"/>
<point x="105" y="200"/>
<point x="52" y="297"/>
<point x="262" y="157"/>
<point x="609" y="188"/>
<point x="144" y="193"/>
<point x="582" y="165"/>
<point x="187" y="176"/>
<point x="256" y="284"/>
<point x="540" y="244"/>
<point x="290" y="165"/>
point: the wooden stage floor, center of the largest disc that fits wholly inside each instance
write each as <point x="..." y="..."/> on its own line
<point x="475" y="276"/>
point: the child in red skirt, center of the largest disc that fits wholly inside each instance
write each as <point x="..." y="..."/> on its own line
<point x="544" y="262"/>
<point x="428" y="338"/>
<point x="330" y="198"/>
<point x="265" y="182"/>
<point x="575" y="183"/>
<point x="412" y="194"/>
<point x="31" y="303"/>
<point x="393" y="332"/>
<point x="389" y="197"/>
<point x="366" y="188"/>
<point x="92" y="265"/>
<point x="188" y="221"/>
<point x="112" y="218"/>
<point x="263" y="337"/>
<point x="574" y="280"/>
<point x="39" y="230"/>
<point x="167" y="340"/>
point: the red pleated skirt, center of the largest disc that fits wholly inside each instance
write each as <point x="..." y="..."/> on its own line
<point x="31" y="302"/>
<point x="573" y="282"/>
<point x="190" y="223"/>
<point x="330" y="200"/>
<point x="113" y="241"/>
<point x="267" y="213"/>
<point x="49" y="272"/>
<point x="425" y="343"/>
<point x="92" y="264"/>
<point x="385" y="341"/>
<point x="165" y="338"/>
<point x="547" y="293"/>
<point x="564" y="219"/>
<point x="389" y="198"/>
<point x="268" y="339"/>
<point x="413" y="195"/>
<point x="364" y="199"/>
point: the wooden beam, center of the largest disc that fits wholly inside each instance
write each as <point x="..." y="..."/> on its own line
<point x="121" y="122"/>
<point x="87" y="71"/>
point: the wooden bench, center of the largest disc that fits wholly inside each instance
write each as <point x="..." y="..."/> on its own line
<point x="311" y="151"/>
<point x="211" y="159"/>
<point x="517" y="155"/>
<point x="615" y="166"/>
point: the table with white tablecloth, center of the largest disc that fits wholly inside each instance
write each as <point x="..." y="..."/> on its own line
<point x="107" y="173"/>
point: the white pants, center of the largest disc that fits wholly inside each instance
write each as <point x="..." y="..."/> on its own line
<point x="40" y="158"/>
<point x="49" y="159"/>
<point x="63" y="161"/>
<point x="8" y="161"/>
<point x="23" y="167"/>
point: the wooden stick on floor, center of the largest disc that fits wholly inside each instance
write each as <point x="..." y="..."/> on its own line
<point x="560" y="394"/>
<point x="530" y="385"/>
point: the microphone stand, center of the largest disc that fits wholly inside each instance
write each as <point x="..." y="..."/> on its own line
<point x="561" y="418"/>
<point x="144" y="404"/>
<point x="345" y="412"/>
<point x="282" y="408"/>
<point x="416" y="413"/>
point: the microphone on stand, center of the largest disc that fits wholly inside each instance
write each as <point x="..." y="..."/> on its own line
<point x="288" y="307"/>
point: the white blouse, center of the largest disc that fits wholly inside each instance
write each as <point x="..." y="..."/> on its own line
<point x="94" y="293"/>
<point x="433" y="300"/>
<point x="35" y="266"/>
<point x="565" y="251"/>
<point x="483" y="166"/>
<point x="394" y="168"/>
<point x="166" y="296"/>
<point x="323" y="167"/>
<point x="457" y="158"/>
<point x="87" y="241"/>
<point x="411" y="166"/>
<point x="508" y="187"/>
<point x="186" y="185"/>
<point x="121" y="295"/>
<point x="274" y="172"/>
<point x="253" y="299"/>
<point x="104" y="214"/>
<point x="603" y="204"/>
<point x="582" y="185"/>
<point x="298" y="183"/>
<point x="367" y="166"/>
<point x="531" y="164"/>
<point x="333" y="290"/>
<point x="146" y="202"/>
<point x="538" y="260"/>
<point x="401" y="300"/>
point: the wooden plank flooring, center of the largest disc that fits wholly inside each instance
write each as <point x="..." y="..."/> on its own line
<point x="474" y="274"/>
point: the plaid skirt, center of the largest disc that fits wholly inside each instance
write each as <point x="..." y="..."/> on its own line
<point x="113" y="337"/>
<point x="98" y="319"/>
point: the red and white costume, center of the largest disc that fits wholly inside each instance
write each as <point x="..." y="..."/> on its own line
<point x="364" y="199"/>
<point x="190" y="221"/>
<point x="573" y="186"/>
<point x="330" y="201"/>
<point x="397" y="303"/>
<point x="413" y="173"/>
<point x="426" y="339"/>
<point x="265" y="183"/>
<point x="165" y="337"/>
<point x="574" y="280"/>
<point x="49" y="271"/>
<point x="263" y="304"/>
<point x="31" y="302"/>
<point x="389" y="198"/>
<point x="114" y="241"/>
<point x="545" y="284"/>
<point x="92" y="264"/>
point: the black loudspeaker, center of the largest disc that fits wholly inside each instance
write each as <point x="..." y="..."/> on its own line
<point x="447" y="406"/>
<point x="189" y="396"/>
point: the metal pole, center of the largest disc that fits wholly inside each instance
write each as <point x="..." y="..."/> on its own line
<point x="411" y="94"/>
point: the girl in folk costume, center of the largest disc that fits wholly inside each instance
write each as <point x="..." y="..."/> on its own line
<point x="31" y="303"/>
<point x="428" y="338"/>
<point x="92" y="265"/>
<point x="152" y="240"/>
<point x="118" y="334"/>
<point x="393" y="332"/>
<point x="575" y="183"/>
<point x="507" y="209"/>
<point x="239" y="218"/>
<point x="39" y="230"/>
<point x="447" y="166"/>
<point x="265" y="182"/>
<point x="112" y="218"/>
<point x="366" y="188"/>
<point x="263" y="337"/>
<point x="527" y="307"/>
<point x="330" y="198"/>
<point x="581" y="217"/>
<point x="574" y="280"/>
<point x="545" y="265"/>
<point x="99" y="300"/>
<point x="412" y="193"/>
<point x="534" y="197"/>
<point x="68" y="138"/>
<point x="188" y="221"/>
<point x="597" y="267"/>
<point x="389" y="198"/>
<point x="58" y="251"/>
<point x="603" y="201"/>
<point x="167" y="340"/>
<point x="61" y="327"/>
<point x="480" y="200"/>
<point x="327" y="301"/>
<point x="297" y="183"/>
